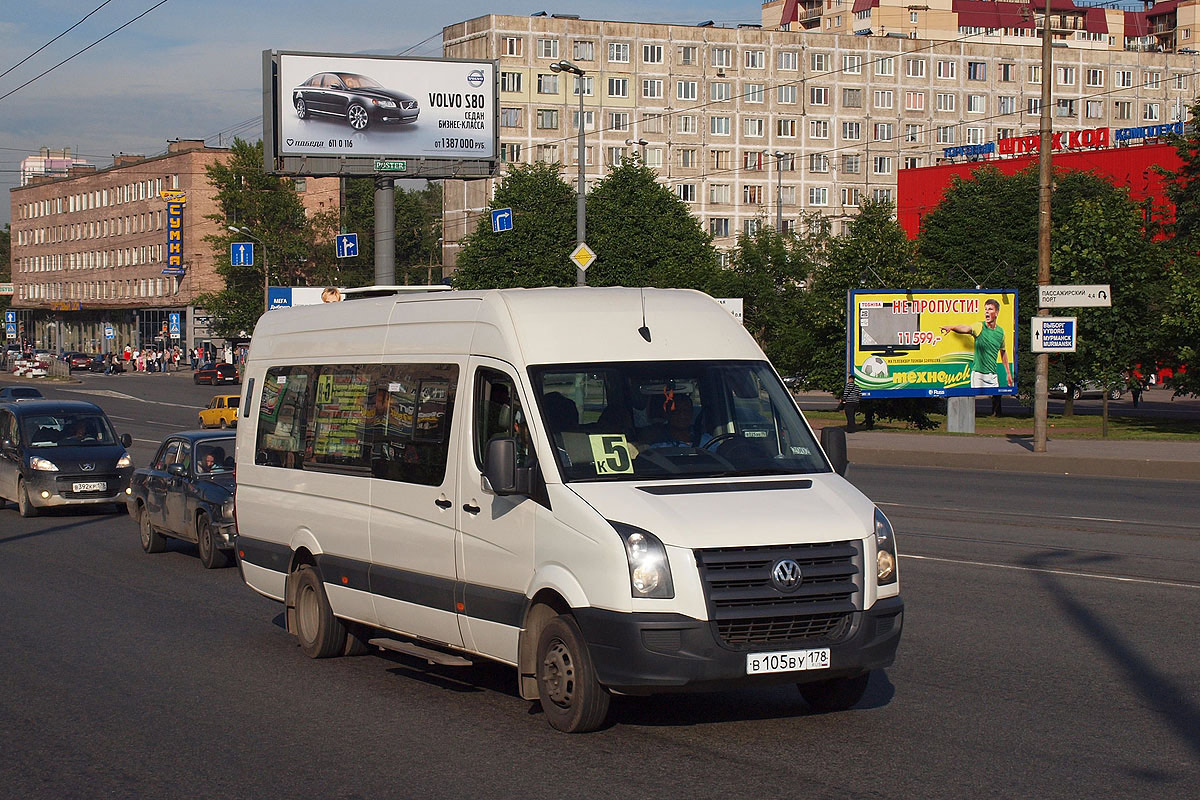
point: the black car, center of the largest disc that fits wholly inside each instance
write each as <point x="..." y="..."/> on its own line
<point x="11" y="394"/>
<point x="357" y="98"/>
<point x="61" y="453"/>
<point x="98" y="364"/>
<point x="212" y="374"/>
<point x="187" y="493"/>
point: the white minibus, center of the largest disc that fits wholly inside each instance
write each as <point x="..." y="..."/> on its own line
<point x="609" y="489"/>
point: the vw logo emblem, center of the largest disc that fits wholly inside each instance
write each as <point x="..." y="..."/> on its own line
<point x="87" y="467"/>
<point x="786" y="575"/>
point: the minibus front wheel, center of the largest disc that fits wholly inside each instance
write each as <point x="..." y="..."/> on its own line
<point x="571" y="697"/>
<point x="320" y="633"/>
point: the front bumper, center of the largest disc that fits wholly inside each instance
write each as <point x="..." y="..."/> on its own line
<point x="648" y="653"/>
<point x="224" y="535"/>
<point x="50" y="489"/>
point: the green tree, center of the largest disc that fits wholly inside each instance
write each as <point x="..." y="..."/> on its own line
<point x="536" y="251"/>
<point x="419" y="234"/>
<point x="270" y="208"/>
<point x="644" y="235"/>
<point x="1183" y="299"/>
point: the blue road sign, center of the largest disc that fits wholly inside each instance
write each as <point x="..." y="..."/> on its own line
<point x="109" y="333"/>
<point x="241" y="254"/>
<point x="175" y="270"/>
<point x="173" y="324"/>
<point x="347" y="245"/>
<point x="502" y="220"/>
<point x="10" y="330"/>
<point x="10" y="316"/>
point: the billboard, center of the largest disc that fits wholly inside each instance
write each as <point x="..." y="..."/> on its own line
<point x="903" y="343"/>
<point x="326" y="114"/>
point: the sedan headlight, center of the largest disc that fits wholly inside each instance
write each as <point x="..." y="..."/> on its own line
<point x="42" y="464"/>
<point x="649" y="571"/>
<point x="124" y="461"/>
<point x="885" y="550"/>
<point x="385" y="103"/>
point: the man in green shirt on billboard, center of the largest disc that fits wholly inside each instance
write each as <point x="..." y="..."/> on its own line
<point x="989" y="342"/>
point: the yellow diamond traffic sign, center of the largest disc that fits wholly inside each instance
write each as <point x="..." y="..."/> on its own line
<point x="583" y="256"/>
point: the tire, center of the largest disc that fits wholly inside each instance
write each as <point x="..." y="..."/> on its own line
<point x="24" y="505"/>
<point x="200" y="420"/>
<point x="301" y="108"/>
<point x="358" y="117"/>
<point x="837" y="694"/>
<point x="571" y="697"/>
<point x="321" y="634"/>
<point x="1077" y="394"/>
<point x="1115" y="394"/>
<point x="211" y="556"/>
<point x="196" y="379"/>
<point x="152" y="540"/>
<point x="224" y="423"/>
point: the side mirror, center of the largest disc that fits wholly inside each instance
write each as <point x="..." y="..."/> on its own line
<point x="126" y="440"/>
<point x="177" y="470"/>
<point x="833" y="442"/>
<point x="501" y="471"/>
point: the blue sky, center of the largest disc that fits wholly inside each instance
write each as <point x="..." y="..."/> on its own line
<point x="193" y="69"/>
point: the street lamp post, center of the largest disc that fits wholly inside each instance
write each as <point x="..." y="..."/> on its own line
<point x="779" y="190"/>
<point x="581" y="201"/>
<point x="266" y="273"/>
<point x="640" y="143"/>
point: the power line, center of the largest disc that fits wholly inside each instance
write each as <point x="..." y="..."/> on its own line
<point x="84" y="50"/>
<point x="55" y="39"/>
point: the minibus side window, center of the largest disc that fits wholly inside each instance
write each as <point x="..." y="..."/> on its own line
<point x="498" y="415"/>
<point x="409" y="418"/>
<point x="283" y="417"/>
<point x="336" y="433"/>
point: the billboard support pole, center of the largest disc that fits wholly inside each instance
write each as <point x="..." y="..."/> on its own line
<point x="1041" y="383"/>
<point x="385" y="232"/>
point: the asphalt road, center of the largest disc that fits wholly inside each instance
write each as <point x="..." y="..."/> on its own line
<point x="1049" y="651"/>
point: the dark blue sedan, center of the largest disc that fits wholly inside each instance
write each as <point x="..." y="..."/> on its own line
<point x="187" y="493"/>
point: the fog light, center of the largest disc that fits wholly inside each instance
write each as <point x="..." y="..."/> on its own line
<point x="128" y="490"/>
<point x="45" y="495"/>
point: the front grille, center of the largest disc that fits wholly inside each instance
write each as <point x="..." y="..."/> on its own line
<point x="747" y="608"/>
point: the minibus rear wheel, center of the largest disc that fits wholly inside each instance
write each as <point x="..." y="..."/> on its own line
<point x="571" y="697"/>
<point x="321" y="634"/>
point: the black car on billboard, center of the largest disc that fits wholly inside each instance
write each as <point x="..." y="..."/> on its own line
<point x="358" y="99"/>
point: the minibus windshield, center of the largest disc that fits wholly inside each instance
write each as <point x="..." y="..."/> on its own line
<point x="673" y="419"/>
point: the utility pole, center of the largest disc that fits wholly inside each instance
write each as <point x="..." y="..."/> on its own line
<point x="1045" y="175"/>
<point x="572" y="68"/>
<point x="385" y="232"/>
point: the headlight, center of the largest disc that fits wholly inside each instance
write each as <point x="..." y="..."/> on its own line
<point x="649" y="572"/>
<point x="885" y="550"/>
<point x="124" y="461"/>
<point x="385" y="103"/>
<point x="42" y="464"/>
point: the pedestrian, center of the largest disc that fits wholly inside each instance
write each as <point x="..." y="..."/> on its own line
<point x="1135" y="388"/>
<point x="851" y="397"/>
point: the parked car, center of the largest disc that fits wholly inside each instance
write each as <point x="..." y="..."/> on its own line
<point x="221" y="411"/>
<point x="187" y="493"/>
<point x="79" y="360"/>
<point x="212" y="374"/>
<point x="97" y="364"/>
<point x="12" y="394"/>
<point x="356" y="98"/>
<point x="1088" y="389"/>
<point x="61" y="453"/>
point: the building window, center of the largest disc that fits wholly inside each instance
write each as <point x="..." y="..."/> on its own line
<point x="914" y="67"/>
<point x="1066" y="76"/>
<point x="976" y="71"/>
<point x="1181" y="81"/>
<point x="618" y="87"/>
<point x="818" y="96"/>
<point x="914" y="101"/>
<point x="510" y="81"/>
<point x="722" y="57"/>
<point x="547" y="83"/>
<point x="820" y="62"/>
<point x="752" y="195"/>
<point x="654" y="157"/>
<point x="976" y="104"/>
<point x="884" y="98"/>
<point x="818" y="162"/>
<point x="618" y="52"/>
<point x="1153" y="80"/>
<point x="1064" y="108"/>
<point x="818" y="196"/>
<point x="754" y="127"/>
<point x="547" y="118"/>
<point x="687" y="192"/>
<point x="755" y="92"/>
<point x="852" y="65"/>
<point x="547" y="48"/>
<point x="755" y="59"/>
<point x="818" y="128"/>
<point x="510" y="152"/>
<point x="1123" y="79"/>
<point x="752" y="160"/>
<point x="882" y="195"/>
<point x="947" y="70"/>
<point x="850" y="196"/>
<point x="652" y="54"/>
<point x="751" y="226"/>
<point x="1095" y="77"/>
<point x="1150" y="112"/>
<point x="547" y="153"/>
<point x="789" y="60"/>
<point x="885" y="66"/>
<point x="786" y="128"/>
<point x="685" y="90"/>
<point x="787" y="94"/>
<point x="718" y="91"/>
<point x="852" y="98"/>
<point x="945" y="134"/>
<point x="912" y="162"/>
<point x="1035" y="73"/>
<point x="1123" y="109"/>
<point x="652" y="88"/>
<point x="510" y="117"/>
<point x="1033" y="106"/>
<point x="718" y="227"/>
<point x="719" y="126"/>
<point x="583" y="51"/>
<point x="687" y="123"/>
<point x="718" y="193"/>
<point x="851" y="131"/>
<point x="1008" y="105"/>
<point x="512" y="46"/>
<point x="976" y="135"/>
<point x="688" y="54"/>
<point x="589" y="120"/>
<point x="883" y="131"/>
<point x="1095" y="109"/>
<point x="945" y="101"/>
<point x="687" y="158"/>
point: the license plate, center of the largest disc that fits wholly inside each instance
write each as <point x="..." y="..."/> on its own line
<point x="787" y="661"/>
<point x="95" y="486"/>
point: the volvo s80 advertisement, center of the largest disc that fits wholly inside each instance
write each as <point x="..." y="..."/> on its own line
<point x="384" y="107"/>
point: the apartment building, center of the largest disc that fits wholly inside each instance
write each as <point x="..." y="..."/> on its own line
<point x="749" y="124"/>
<point x="90" y="251"/>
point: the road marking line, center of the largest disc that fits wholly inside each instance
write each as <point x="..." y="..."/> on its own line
<point x="123" y="396"/>
<point x="151" y="441"/>
<point x="1049" y="571"/>
<point x="1043" y="516"/>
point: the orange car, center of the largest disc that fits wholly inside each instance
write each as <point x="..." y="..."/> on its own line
<point x="221" y="411"/>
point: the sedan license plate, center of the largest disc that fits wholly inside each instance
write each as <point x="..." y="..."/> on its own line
<point x="787" y="661"/>
<point x="94" y="486"/>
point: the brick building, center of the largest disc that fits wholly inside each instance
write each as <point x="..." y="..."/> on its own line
<point x="89" y="249"/>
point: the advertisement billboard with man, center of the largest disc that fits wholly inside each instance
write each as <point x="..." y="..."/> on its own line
<point x="902" y="343"/>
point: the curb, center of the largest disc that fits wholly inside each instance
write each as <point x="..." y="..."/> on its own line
<point x="1036" y="463"/>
